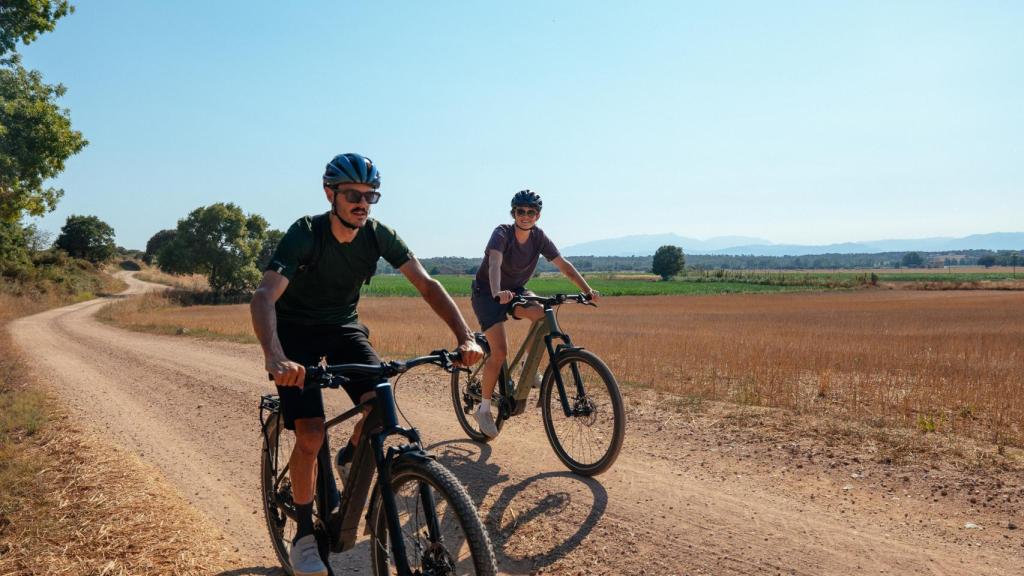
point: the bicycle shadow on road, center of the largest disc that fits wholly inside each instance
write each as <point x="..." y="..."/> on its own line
<point x="468" y="460"/>
<point x="532" y="523"/>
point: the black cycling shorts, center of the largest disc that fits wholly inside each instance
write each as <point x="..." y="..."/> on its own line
<point x="306" y="345"/>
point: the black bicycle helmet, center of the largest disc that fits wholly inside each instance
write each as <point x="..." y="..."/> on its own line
<point x="351" y="168"/>
<point x="527" y="198"/>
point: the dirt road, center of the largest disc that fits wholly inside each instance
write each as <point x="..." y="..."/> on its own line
<point x="682" y="499"/>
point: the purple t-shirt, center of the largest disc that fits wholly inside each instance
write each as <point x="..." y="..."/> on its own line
<point x="518" y="260"/>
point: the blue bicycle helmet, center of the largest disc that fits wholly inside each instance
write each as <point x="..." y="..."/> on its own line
<point x="351" y="168"/>
<point x="527" y="198"/>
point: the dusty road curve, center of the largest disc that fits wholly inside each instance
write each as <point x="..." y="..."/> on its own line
<point x="189" y="408"/>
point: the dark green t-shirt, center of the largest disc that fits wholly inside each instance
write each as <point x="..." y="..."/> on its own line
<point x="327" y="292"/>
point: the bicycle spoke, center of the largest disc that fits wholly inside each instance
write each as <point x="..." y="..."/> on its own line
<point x="448" y="554"/>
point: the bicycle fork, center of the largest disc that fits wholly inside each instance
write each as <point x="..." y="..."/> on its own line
<point x="553" y="352"/>
<point x="385" y="399"/>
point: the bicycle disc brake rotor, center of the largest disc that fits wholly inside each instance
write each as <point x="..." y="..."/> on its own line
<point x="437" y="561"/>
<point x="469" y="397"/>
<point x="584" y="409"/>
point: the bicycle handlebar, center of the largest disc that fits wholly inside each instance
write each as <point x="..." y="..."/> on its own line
<point x="555" y="300"/>
<point x="336" y="375"/>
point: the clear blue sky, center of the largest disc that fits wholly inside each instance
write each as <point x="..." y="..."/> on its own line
<point x="798" y="122"/>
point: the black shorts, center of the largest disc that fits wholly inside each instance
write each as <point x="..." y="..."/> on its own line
<point x="306" y="345"/>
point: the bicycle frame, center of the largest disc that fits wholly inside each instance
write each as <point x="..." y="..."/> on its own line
<point x="540" y="338"/>
<point x="381" y="423"/>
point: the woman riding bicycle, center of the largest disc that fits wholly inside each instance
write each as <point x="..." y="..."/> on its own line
<point x="510" y="258"/>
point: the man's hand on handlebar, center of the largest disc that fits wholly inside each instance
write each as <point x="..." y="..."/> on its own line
<point x="469" y="353"/>
<point x="594" y="295"/>
<point x="286" y="372"/>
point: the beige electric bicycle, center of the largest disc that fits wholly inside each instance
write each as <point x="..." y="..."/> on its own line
<point x="580" y="402"/>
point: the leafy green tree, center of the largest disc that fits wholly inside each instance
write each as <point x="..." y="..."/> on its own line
<point x="24" y="20"/>
<point x="668" y="261"/>
<point x="912" y="260"/>
<point x="87" y="237"/>
<point x="15" y="259"/>
<point x="220" y="241"/>
<point x="35" y="133"/>
<point x="156" y="242"/>
<point x="269" y="245"/>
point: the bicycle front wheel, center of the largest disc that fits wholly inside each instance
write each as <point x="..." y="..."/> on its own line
<point x="587" y="439"/>
<point x="440" y="526"/>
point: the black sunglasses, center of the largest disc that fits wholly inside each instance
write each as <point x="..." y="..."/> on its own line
<point x="354" y="196"/>
<point x="526" y="212"/>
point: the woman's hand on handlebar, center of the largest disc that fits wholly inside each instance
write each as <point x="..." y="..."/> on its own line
<point x="504" y="297"/>
<point x="594" y="295"/>
<point x="286" y="372"/>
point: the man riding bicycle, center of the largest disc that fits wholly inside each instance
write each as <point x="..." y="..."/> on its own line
<point x="305" y="309"/>
<point x="509" y="261"/>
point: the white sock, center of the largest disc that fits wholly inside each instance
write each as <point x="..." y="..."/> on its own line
<point x="485" y="406"/>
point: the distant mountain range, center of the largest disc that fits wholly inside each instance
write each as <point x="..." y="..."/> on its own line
<point x="646" y="244"/>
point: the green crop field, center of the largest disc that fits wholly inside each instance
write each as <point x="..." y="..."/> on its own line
<point x="712" y="282"/>
<point x="396" y="285"/>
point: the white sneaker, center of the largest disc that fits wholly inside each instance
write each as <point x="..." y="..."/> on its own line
<point x="305" y="557"/>
<point x="485" y="421"/>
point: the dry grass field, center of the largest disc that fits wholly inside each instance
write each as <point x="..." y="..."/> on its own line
<point x="69" y="502"/>
<point x="947" y="361"/>
<point x="188" y="282"/>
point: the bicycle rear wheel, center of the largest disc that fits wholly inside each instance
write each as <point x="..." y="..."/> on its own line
<point x="466" y="397"/>
<point x="276" y="487"/>
<point x="589" y="439"/>
<point x="460" y="545"/>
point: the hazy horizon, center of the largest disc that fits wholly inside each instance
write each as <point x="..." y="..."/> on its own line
<point x="806" y="123"/>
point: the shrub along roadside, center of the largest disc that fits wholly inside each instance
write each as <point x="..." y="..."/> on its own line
<point x="70" y="503"/>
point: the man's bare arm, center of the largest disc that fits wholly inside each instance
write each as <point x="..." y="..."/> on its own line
<point x="264" y="323"/>
<point x="443" y="305"/>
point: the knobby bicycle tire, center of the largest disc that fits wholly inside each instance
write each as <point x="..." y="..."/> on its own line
<point x="273" y="506"/>
<point x="602" y="399"/>
<point x="461" y="528"/>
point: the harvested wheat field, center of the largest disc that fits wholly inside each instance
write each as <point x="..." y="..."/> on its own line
<point x="700" y="487"/>
<point x="947" y="361"/>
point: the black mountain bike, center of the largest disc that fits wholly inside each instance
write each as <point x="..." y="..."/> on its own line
<point x="420" y="519"/>
<point x="579" y="398"/>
